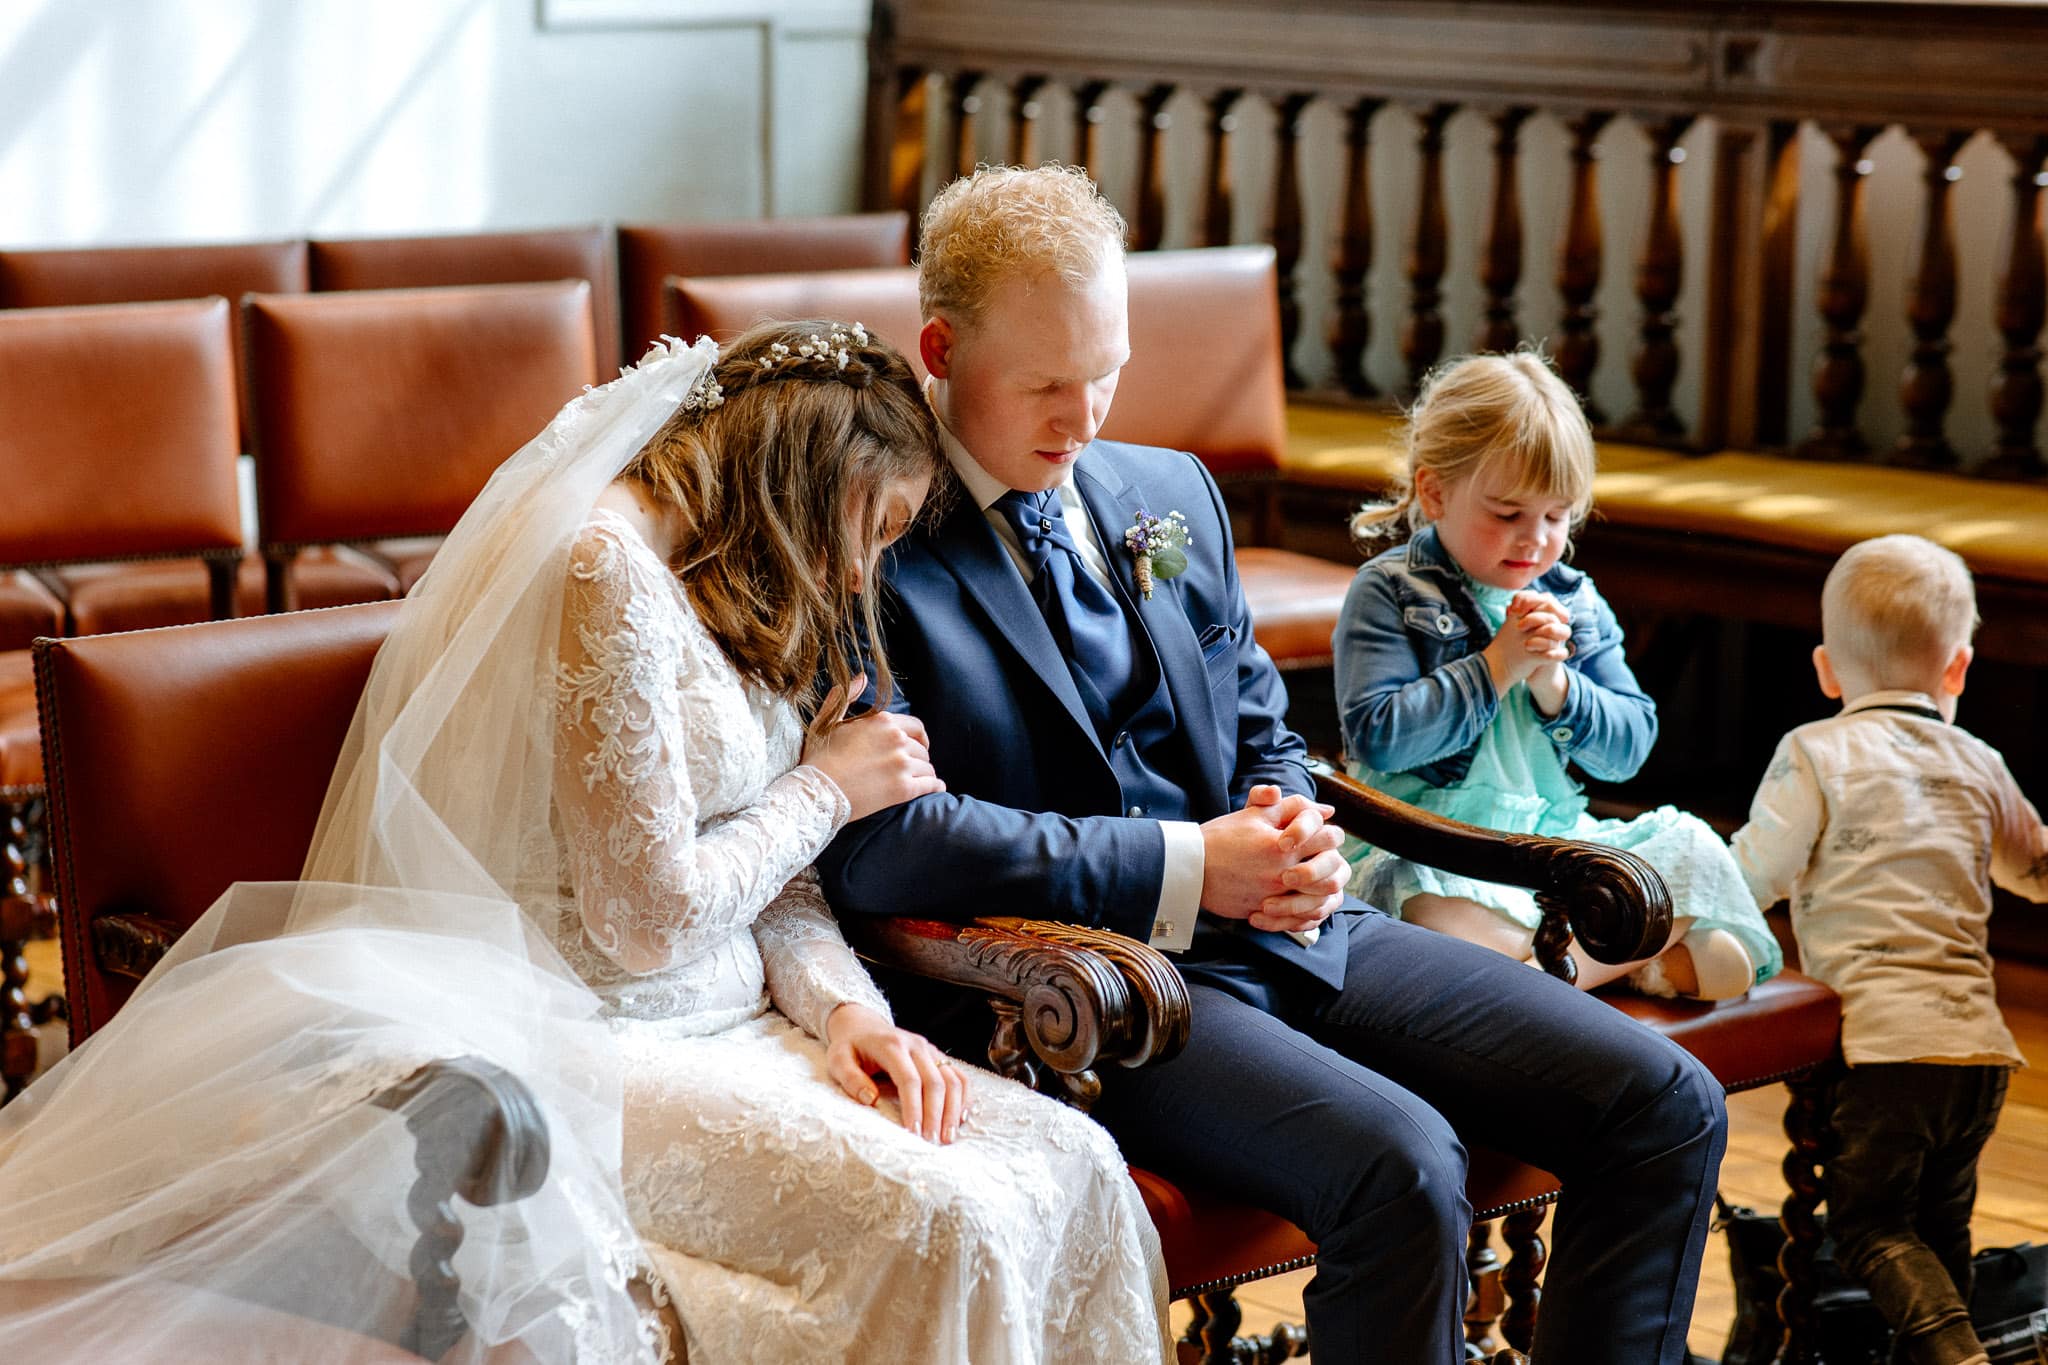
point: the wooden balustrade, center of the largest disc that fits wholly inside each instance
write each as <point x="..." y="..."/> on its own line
<point x="1722" y="97"/>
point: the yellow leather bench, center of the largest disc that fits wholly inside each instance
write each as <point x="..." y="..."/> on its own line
<point x="1764" y="529"/>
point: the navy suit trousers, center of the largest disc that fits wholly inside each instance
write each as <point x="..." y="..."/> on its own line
<point x="1346" y="1112"/>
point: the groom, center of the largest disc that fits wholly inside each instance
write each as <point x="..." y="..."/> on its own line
<point x="1122" y="761"/>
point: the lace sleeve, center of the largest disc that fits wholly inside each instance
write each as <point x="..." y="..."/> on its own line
<point x="653" y="890"/>
<point x="811" y="971"/>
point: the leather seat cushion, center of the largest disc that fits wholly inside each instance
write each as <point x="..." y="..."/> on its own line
<point x="2001" y="528"/>
<point x="232" y="1332"/>
<point x="408" y="558"/>
<point x="1294" y="601"/>
<point x="1339" y="447"/>
<point x="1206" y="1238"/>
<point x="27" y="609"/>
<point x="1788" y="1024"/>
<point x="169" y="592"/>
<point x="21" y="747"/>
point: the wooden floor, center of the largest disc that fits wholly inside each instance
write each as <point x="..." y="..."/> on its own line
<point x="2012" y="1203"/>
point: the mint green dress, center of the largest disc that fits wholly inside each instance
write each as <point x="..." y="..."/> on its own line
<point x="1518" y="784"/>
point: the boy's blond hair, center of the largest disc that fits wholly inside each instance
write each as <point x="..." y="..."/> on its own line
<point x="987" y="228"/>
<point x="1896" y="607"/>
<point x="1481" y="408"/>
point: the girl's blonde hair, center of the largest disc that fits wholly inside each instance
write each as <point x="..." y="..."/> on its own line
<point x="764" y="486"/>
<point x="1481" y="408"/>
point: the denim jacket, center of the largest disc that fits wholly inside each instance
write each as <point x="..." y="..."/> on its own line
<point x="1414" y="695"/>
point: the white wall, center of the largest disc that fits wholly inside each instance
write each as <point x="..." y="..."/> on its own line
<point x="218" y="120"/>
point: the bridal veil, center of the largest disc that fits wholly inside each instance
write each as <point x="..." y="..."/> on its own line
<point x="212" y="1139"/>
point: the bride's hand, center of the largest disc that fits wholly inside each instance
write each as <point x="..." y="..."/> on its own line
<point x="861" y="1045"/>
<point x="879" y="760"/>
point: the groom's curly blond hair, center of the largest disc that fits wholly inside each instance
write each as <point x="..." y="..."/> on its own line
<point x="1001" y="222"/>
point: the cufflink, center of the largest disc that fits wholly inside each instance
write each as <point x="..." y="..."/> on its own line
<point x="1163" y="929"/>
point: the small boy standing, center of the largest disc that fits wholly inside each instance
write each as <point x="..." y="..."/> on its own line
<point x="1886" y="826"/>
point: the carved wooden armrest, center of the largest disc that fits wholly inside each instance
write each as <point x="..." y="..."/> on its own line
<point x="1610" y="900"/>
<point x="1066" y="998"/>
<point x="129" y="945"/>
<point x="477" y="1133"/>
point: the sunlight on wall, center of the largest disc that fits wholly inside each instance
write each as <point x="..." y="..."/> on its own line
<point x="225" y="120"/>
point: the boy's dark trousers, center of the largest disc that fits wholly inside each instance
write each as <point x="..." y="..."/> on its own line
<point x="1900" y="1189"/>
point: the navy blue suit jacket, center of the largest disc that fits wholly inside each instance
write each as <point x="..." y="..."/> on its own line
<point x="1032" y="822"/>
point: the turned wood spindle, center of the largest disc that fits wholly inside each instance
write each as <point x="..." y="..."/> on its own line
<point x="1351" y="324"/>
<point x="1482" y="1273"/>
<point x="1219" y="205"/>
<point x="908" y="140"/>
<point x="1579" y="262"/>
<point x="961" y="112"/>
<point x="1422" y="336"/>
<point x="1844" y="292"/>
<point x="1500" y="266"/>
<point x="1659" y="274"/>
<point x="2022" y="305"/>
<point x="17" y="916"/>
<point x="1025" y="108"/>
<point x="1806" y="1127"/>
<point x="1089" y="114"/>
<point x="1775" y="267"/>
<point x="1520" y="1230"/>
<point x="1927" y="387"/>
<point x="1285" y="232"/>
<point x="1148" y="229"/>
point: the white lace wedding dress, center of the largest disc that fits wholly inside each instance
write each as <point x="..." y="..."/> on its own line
<point x="789" y="1223"/>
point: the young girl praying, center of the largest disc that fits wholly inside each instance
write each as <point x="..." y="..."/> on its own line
<point x="1473" y="667"/>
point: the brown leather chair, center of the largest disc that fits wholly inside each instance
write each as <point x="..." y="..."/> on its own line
<point x="379" y="414"/>
<point x="651" y="252"/>
<point x="571" y="253"/>
<point x="243" y="717"/>
<point x="117" y="424"/>
<point x="1204" y="377"/>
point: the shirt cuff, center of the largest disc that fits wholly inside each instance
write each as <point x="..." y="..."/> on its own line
<point x="1180" y="890"/>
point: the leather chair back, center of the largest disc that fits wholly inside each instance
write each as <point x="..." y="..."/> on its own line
<point x="143" y="274"/>
<point x="651" y="252"/>
<point x="573" y="253"/>
<point x="117" y="432"/>
<point x="184" y="759"/>
<point x="382" y="413"/>
<point x="1205" y="373"/>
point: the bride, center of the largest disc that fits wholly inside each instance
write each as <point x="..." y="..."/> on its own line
<point x="570" y="832"/>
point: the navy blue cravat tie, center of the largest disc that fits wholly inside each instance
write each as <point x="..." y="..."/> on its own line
<point x="1086" y="622"/>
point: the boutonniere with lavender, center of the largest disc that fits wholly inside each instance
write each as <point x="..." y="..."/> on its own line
<point x="1156" y="544"/>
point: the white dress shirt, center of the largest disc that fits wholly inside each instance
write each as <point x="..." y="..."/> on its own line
<point x="1180" y="890"/>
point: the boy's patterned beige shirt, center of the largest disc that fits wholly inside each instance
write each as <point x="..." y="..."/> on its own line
<point x="1886" y="829"/>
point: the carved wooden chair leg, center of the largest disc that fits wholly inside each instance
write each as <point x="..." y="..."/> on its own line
<point x="1483" y="1307"/>
<point x="1806" y="1126"/>
<point x="1526" y="1255"/>
<point x="19" y="911"/>
<point x="1212" y="1339"/>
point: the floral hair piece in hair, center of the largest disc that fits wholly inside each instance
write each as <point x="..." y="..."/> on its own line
<point x="706" y="394"/>
<point x="837" y="344"/>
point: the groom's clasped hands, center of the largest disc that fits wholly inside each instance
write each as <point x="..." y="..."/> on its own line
<point x="1274" y="862"/>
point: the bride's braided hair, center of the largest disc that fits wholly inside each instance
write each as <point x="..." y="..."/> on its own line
<point x="771" y="467"/>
